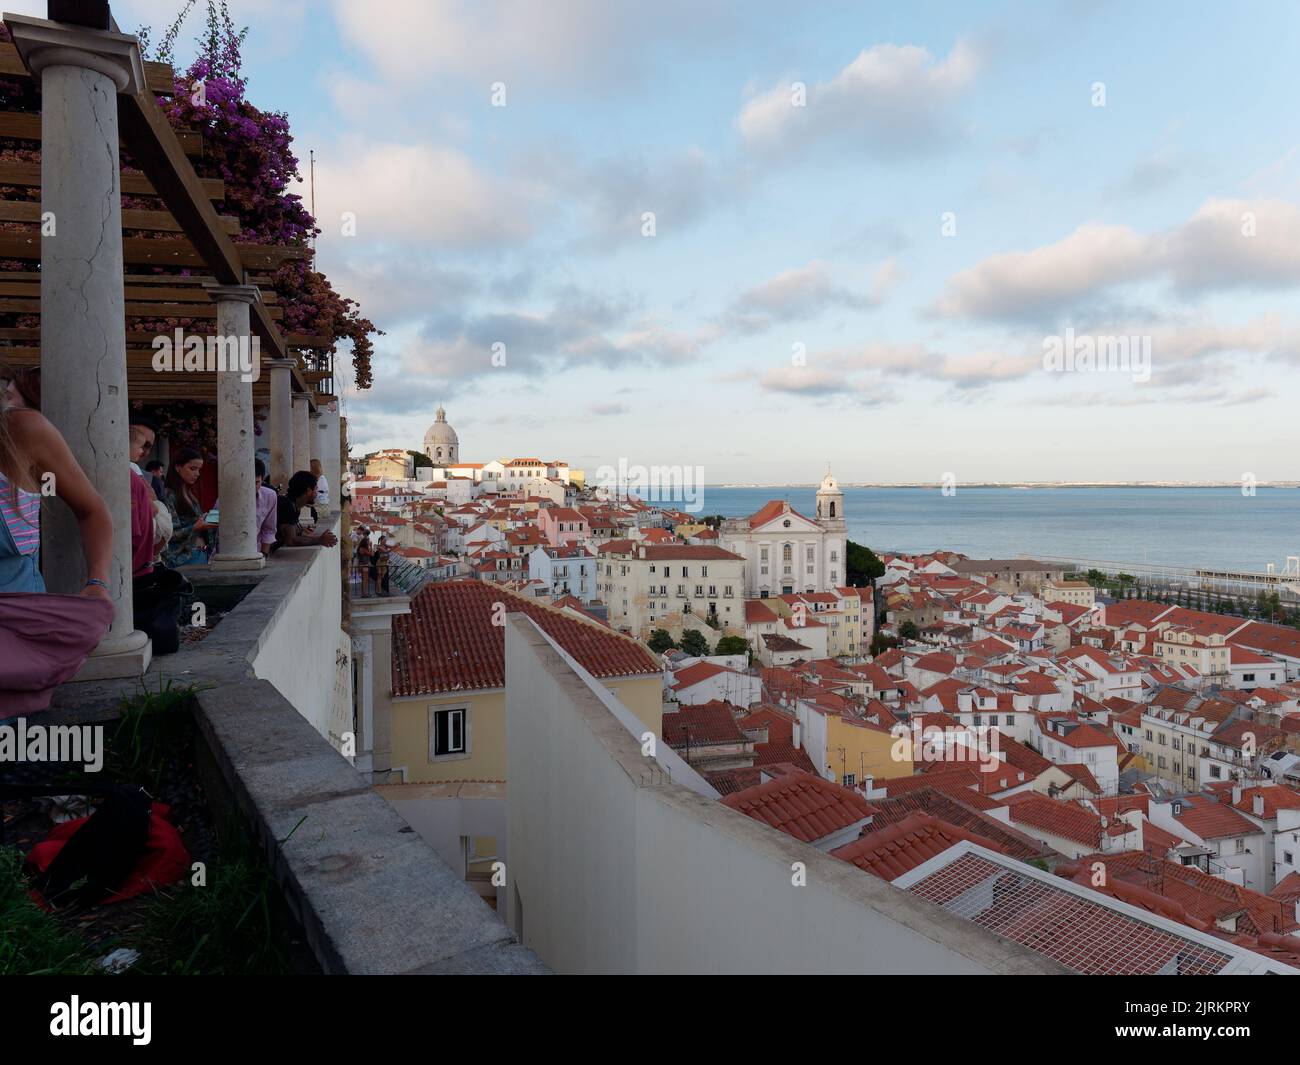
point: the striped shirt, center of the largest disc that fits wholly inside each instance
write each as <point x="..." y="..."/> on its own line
<point x="21" y="516"/>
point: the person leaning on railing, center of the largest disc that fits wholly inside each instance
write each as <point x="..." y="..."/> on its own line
<point x="299" y="493"/>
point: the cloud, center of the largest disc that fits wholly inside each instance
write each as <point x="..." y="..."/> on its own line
<point x="420" y="194"/>
<point x="580" y="329"/>
<point x="678" y="189"/>
<point x="526" y="45"/>
<point x="891" y="98"/>
<point x="605" y="410"/>
<point x="1024" y="284"/>
<point x="1236" y="244"/>
<point x="1226" y="244"/>
<point x="802" y="293"/>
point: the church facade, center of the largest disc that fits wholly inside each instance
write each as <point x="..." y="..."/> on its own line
<point x="786" y="552"/>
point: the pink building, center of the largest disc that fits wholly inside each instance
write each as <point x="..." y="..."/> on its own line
<point x="562" y="526"/>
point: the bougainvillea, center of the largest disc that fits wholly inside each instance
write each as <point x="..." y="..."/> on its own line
<point x="250" y="150"/>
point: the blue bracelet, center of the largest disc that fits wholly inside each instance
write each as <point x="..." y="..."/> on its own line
<point x="96" y="580"/>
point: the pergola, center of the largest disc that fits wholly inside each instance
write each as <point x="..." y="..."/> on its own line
<point x="92" y="285"/>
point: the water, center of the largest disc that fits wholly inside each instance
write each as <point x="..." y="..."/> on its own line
<point x="1216" y="527"/>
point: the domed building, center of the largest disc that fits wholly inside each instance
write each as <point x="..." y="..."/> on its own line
<point x="441" y="443"/>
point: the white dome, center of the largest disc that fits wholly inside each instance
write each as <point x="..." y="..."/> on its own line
<point x="829" y="484"/>
<point x="441" y="443"/>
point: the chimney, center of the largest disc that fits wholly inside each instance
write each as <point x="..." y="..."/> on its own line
<point x="796" y="736"/>
<point x="1236" y="794"/>
<point x="1258" y="805"/>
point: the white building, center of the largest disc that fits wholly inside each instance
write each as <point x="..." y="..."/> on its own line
<point x="786" y="552"/>
<point x="565" y="571"/>
<point x="644" y="585"/>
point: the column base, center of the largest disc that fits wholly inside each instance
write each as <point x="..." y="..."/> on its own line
<point x="126" y="656"/>
<point x="237" y="562"/>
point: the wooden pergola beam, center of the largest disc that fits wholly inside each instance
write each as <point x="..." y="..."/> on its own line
<point x="150" y="221"/>
<point x="28" y="176"/>
<point x="154" y="147"/>
<point x="25" y="127"/>
<point x="162" y="251"/>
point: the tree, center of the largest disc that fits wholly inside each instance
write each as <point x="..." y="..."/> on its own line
<point x="880" y="643"/>
<point x="421" y="459"/>
<point x="694" y="643"/>
<point x="861" y="565"/>
<point x="909" y="631"/>
<point x="660" y="641"/>
<point x="732" y="645"/>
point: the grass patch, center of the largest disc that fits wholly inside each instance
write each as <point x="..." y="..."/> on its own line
<point x="33" y="942"/>
<point x="232" y="926"/>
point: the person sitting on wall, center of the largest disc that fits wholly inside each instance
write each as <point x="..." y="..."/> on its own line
<point x="268" y="503"/>
<point x="190" y="542"/>
<point x="300" y="492"/>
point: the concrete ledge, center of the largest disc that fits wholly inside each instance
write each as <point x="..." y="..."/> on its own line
<point x="372" y="897"/>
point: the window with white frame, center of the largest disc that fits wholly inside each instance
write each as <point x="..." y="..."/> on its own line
<point x="448" y="731"/>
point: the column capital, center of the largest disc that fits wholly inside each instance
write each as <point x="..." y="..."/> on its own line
<point x="42" y="43"/>
<point x="236" y="294"/>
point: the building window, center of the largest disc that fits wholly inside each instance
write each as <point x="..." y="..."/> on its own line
<point x="850" y="780"/>
<point x="448" y="732"/>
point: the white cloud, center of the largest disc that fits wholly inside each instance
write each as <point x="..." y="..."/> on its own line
<point x="419" y="194"/>
<point x="1236" y="243"/>
<point x="893" y="97"/>
<point x="1024" y="283"/>
<point x="1226" y="244"/>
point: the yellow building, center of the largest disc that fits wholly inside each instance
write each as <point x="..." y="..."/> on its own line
<point x="388" y="465"/>
<point x="1076" y="593"/>
<point x="857" y="749"/>
<point x="446" y="716"/>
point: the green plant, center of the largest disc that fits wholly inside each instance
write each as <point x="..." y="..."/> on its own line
<point x="153" y="727"/>
<point x="33" y="942"/>
<point x="660" y="641"/>
<point x="694" y="643"/>
<point x="231" y="925"/>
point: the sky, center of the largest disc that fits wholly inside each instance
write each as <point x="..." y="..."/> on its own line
<point x="870" y="222"/>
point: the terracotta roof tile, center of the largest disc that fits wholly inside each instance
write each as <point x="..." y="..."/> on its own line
<point x="449" y="641"/>
<point x="801" y="805"/>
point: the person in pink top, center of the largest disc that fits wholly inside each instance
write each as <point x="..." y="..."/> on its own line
<point x="143" y="548"/>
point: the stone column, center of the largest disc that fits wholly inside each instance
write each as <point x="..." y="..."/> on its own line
<point x="83" y="324"/>
<point x="301" y="433"/>
<point x="236" y="444"/>
<point x="330" y="450"/>
<point x="313" y="435"/>
<point x="281" y="422"/>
